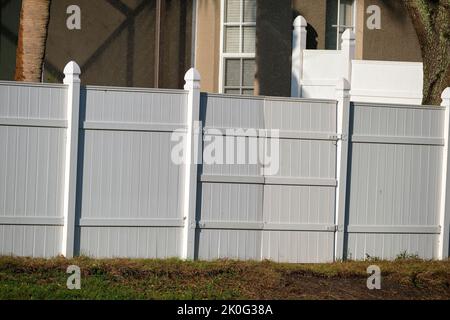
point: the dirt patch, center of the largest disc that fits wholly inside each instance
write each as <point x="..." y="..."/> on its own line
<point x="314" y="287"/>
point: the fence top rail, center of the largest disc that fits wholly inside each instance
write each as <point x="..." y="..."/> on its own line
<point x="269" y="98"/>
<point x="33" y="84"/>
<point x="395" y="105"/>
<point x="133" y="89"/>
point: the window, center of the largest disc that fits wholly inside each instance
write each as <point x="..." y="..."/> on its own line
<point x="340" y="16"/>
<point x="238" y="65"/>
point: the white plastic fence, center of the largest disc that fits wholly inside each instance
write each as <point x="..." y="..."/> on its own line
<point x="387" y="82"/>
<point x="89" y="171"/>
<point x="315" y="72"/>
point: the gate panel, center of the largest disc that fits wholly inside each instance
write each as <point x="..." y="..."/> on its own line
<point x="299" y="201"/>
<point x="230" y="213"/>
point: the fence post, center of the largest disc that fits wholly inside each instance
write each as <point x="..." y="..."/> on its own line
<point x="343" y="131"/>
<point x="298" y="45"/>
<point x="192" y="85"/>
<point x="348" y="49"/>
<point x="445" y="187"/>
<point x="72" y="80"/>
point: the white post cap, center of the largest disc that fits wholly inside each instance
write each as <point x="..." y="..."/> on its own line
<point x="72" y="72"/>
<point x="300" y="22"/>
<point x="348" y="35"/>
<point x="192" y="79"/>
<point x="446" y="97"/>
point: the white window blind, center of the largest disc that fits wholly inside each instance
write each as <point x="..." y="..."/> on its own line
<point x="233" y="11"/>
<point x="239" y="46"/>
<point x="340" y="16"/>
<point x="232" y="39"/>
<point x="249" y="10"/>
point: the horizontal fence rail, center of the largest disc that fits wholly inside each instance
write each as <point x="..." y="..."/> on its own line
<point x="92" y="171"/>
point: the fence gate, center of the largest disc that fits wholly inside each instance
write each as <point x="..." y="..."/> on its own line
<point x="246" y="212"/>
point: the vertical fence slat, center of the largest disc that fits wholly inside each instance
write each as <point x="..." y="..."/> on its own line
<point x="72" y="79"/>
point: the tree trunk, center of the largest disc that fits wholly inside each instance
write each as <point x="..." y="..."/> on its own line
<point x="34" y="19"/>
<point x="431" y="19"/>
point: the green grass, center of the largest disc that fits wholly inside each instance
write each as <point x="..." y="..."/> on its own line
<point x="405" y="278"/>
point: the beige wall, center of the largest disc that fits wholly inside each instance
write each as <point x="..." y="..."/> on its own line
<point x="314" y="11"/>
<point x="397" y="39"/>
<point x="176" y="43"/>
<point x="360" y="28"/>
<point x="207" y="41"/>
<point x="119" y="51"/>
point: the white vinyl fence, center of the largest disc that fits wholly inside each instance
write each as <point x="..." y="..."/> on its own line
<point x="315" y="72"/>
<point x="90" y="171"/>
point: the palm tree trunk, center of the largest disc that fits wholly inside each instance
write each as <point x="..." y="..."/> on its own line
<point x="34" y="19"/>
